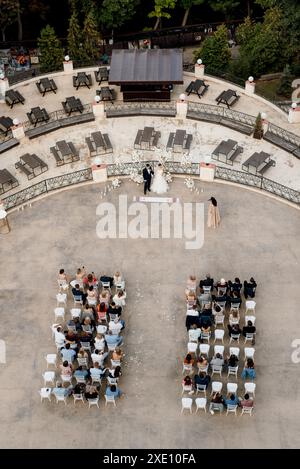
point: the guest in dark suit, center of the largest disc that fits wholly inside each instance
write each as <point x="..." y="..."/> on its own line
<point x="235" y="299"/>
<point x="207" y="282"/>
<point x="249" y="288"/>
<point x="249" y="329"/>
<point x="147" y="175"/>
<point x="235" y="286"/>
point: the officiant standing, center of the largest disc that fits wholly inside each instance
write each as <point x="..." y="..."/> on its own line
<point x="147" y="175"/>
<point x="213" y="218"/>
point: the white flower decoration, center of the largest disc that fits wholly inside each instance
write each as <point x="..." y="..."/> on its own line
<point x="116" y="183"/>
<point x="190" y="183"/>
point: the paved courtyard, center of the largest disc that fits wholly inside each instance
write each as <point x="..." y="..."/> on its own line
<point x="258" y="236"/>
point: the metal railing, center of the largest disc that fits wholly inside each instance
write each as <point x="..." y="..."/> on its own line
<point x="126" y="169"/>
<point x="5" y="138"/>
<point x="58" y="115"/>
<point x="222" y="112"/>
<point x="284" y="134"/>
<point x="138" y="105"/>
<point x="16" y="76"/>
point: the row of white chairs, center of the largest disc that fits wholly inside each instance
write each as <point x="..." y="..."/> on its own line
<point x="193" y="347"/>
<point x="201" y="402"/>
<point x="217" y="386"/>
<point x="45" y="393"/>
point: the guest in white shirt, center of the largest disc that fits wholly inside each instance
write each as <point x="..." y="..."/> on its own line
<point x="194" y="333"/>
<point x="119" y="298"/>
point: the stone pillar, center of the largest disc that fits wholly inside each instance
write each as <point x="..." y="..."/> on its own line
<point x="98" y="110"/>
<point x="18" y="131"/>
<point x="68" y="67"/>
<point x="199" y="71"/>
<point x="249" y="87"/>
<point x="207" y="171"/>
<point x="99" y="172"/>
<point x="294" y="114"/>
<point x="181" y="109"/>
<point x="4" y="86"/>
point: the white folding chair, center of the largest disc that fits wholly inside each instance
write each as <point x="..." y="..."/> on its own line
<point x="45" y="393"/>
<point x="115" y="363"/>
<point x="216" y="369"/>
<point x="61" y="399"/>
<point x="234" y="351"/>
<point x="231" y="409"/>
<point x="186" y="403"/>
<point x="249" y="337"/>
<point x="59" y="313"/>
<point x="247" y="410"/>
<point x="216" y="386"/>
<point x="232" y="370"/>
<point x="75" y="313"/>
<point x="105" y="285"/>
<point x="110" y="399"/>
<point x="201" y="403"/>
<point x="86" y="346"/>
<point x="111" y="347"/>
<point x="112" y="381"/>
<point x="249" y="352"/>
<point x="101" y="329"/>
<point x="205" y="336"/>
<point x="235" y="337"/>
<point x="96" y="379"/>
<point x="93" y="402"/>
<point x="80" y="379"/>
<point x="186" y="388"/>
<point x="250" y="306"/>
<point x="51" y="359"/>
<point x="201" y="388"/>
<point x="77" y="300"/>
<point x="250" y="388"/>
<point x="206" y="289"/>
<point x="232" y="388"/>
<point x="92" y="301"/>
<point x="189" y="369"/>
<point x="219" y="319"/>
<point x="82" y="361"/>
<point x="219" y="335"/>
<point x="49" y="377"/>
<point x="78" y="397"/>
<point x="204" y="349"/>
<point x="61" y="298"/>
<point x="63" y="285"/>
<point x="219" y="349"/>
<point x="192" y="347"/>
<point x="235" y="307"/>
<point x="66" y="379"/>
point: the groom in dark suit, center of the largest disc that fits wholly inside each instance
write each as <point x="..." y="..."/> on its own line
<point x="147" y="175"/>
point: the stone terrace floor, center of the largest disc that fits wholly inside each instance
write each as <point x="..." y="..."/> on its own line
<point x="258" y="236"/>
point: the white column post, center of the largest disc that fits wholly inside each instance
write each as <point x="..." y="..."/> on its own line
<point x="17" y="129"/>
<point x="250" y="86"/>
<point x="207" y="171"/>
<point x="199" y="69"/>
<point x="294" y="113"/>
<point x="99" y="171"/>
<point x="68" y="65"/>
<point x="181" y="107"/>
<point x="264" y="121"/>
<point x="98" y="108"/>
<point x="4" y="86"/>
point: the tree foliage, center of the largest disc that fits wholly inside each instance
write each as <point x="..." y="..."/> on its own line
<point x="225" y="6"/>
<point x="215" y="52"/>
<point x="161" y="10"/>
<point x="8" y="14"/>
<point x="51" y="51"/>
<point x="114" y="14"/>
<point x="74" y="39"/>
<point x="285" y="84"/>
<point x="91" y="36"/>
<point x="187" y="5"/>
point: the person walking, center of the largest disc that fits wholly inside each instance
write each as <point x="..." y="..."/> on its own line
<point x="213" y="218"/>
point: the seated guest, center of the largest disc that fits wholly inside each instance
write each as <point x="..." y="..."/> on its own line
<point x="233" y="400"/>
<point x="61" y="390"/>
<point x="234" y="299"/>
<point x="114" y="391"/>
<point x="222" y="285"/>
<point x="107" y="278"/>
<point x="114" y="309"/>
<point x="78" y="293"/>
<point x="92" y="293"/>
<point x="91" y="391"/>
<point x="191" y="284"/>
<point x="88" y="312"/>
<point x="72" y="339"/>
<point x="68" y="354"/>
<point x="234" y="318"/>
<point x="79" y="388"/>
<point x="250" y="288"/>
<point x="119" y="298"/>
<point x="217" y="310"/>
<point x="59" y="336"/>
<point x="62" y="276"/>
<point x="118" y="280"/>
<point x="187" y="381"/>
<point x="220" y="298"/>
<point x="96" y="371"/>
<point x="232" y="361"/>
<point x="188" y="360"/>
<point x="90" y="280"/>
<point x="116" y="325"/>
<point x="192" y="317"/>
<point x="101" y="312"/>
<point x="85" y="336"/>
<point x="194" y="333"/>
<point x="205" y="322"/>
<point x="117" y="354"/>
<point x="204" y="298"/>
<point x="112" y="339"/>
<point x="249" y="329"/>
<point x="234" y="329"/>
<point x="202" y="378"/>
<point x="249" y="371"/>
<point x="202" y="363"/>
<point x="99" y="342"/>
<point x="66" y="369"/>
<point x="115" y="372"/>
<point x="206" y="327"/>
<point x="99" y="356"/>
<point x="81" y="373"/>
<point x="246" y="401"/>
<point x="207" y="282"/>
<point x="191" y="297"/>
<point x="207" y="309"/>
<point x="80" y="274"/>
<point x="216" y="401"/>
<point x="218" y="360"/>
<point x="104" y="297"/>
<point x="235" y="286"/>
<point x="82" y="353"/>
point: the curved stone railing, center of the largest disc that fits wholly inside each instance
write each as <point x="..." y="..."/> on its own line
<point x="126" y="169"/>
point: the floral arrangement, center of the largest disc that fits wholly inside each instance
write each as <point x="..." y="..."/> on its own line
<point x="190" y="184"/>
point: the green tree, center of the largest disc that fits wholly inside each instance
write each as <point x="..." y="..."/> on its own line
<point x="8" y="14"/>
<point x="225" y="6"/>
<point x="187" y="5"/>
<point x="74" y="39"/>
<point x="285" y="84"/>
<point x="51" y="51"/>
<point x="215" y="52"/>
<point x="91" y="36"/>
<point x="159" y="12"/>
<point x="114" y="14"/>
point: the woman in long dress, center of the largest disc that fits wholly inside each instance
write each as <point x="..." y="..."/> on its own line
<point x="159" y="184"/>
<point x="213" y="218"/>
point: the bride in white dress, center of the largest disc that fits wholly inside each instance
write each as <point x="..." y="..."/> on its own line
<point x="159" y="184"/>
